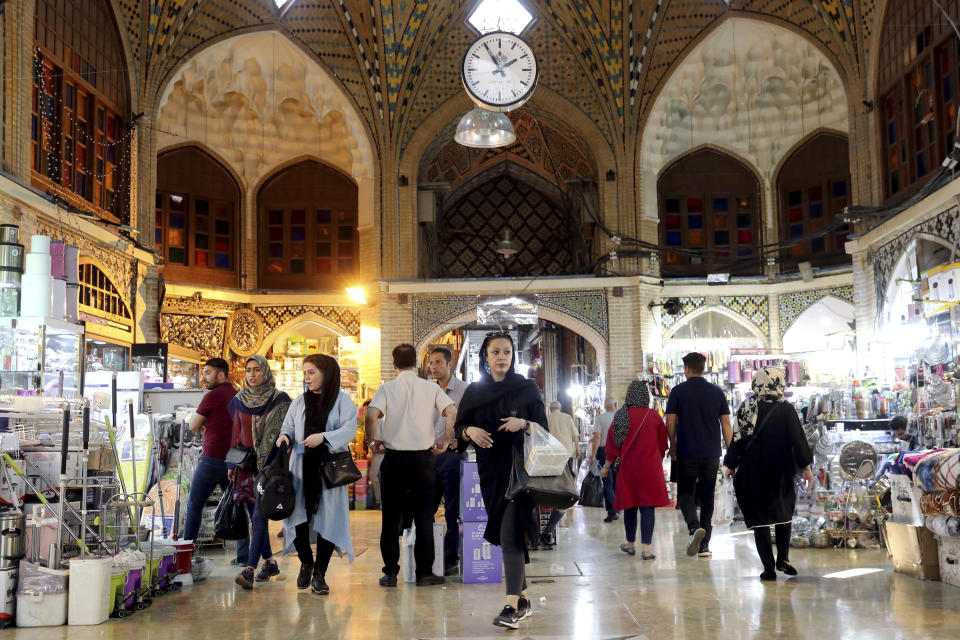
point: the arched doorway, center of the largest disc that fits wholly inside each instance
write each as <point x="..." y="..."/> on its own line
<point x="710" y="215"/>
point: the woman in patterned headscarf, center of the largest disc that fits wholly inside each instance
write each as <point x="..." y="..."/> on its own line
<point x="258" y="411"/>
<point x="637" y="442"/>
<point x="769" y="448"/>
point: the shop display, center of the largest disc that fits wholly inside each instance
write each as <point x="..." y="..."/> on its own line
<point x="105" y="356"/>
<point x="41" y="357"/>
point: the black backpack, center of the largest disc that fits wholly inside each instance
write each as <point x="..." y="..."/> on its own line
<point x="276" y="495"/>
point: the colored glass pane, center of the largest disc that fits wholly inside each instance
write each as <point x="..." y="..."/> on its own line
<point x="201" y="241"/>
<point x="694" y="222"/>
<point x="297" y="266"/>
<point x="694" y="205"/>
<point x="275" y="266"/>
<point x="298" y="250"/>
<point x="891" y="132"/>
<point x="721" y="205"/>
<point x="298" y="217"/>
<point x="721" y="222"/>
<point x="798" y="251"/>
<point x="275" y="249"/>
<point x="744" y="251"/>
<point x="175" y="237"/>
<point x="323" y="216"/>
<point x="345" y="233"/>
<point x="324" y="249"/>
<point x="276" y="217"/>
<point x="323" y="265"/>
<point x="744" y="236"/>
<point x="200" y="258"/>
<point x="345" y="249"/>
<point x="177" y="255"/>
<point x="158" y="237"/>
<point x="921" y="164"/>
<point x="298" y="234"/>
<point x="796" y="214"/>
<point x="796" y="230"/>
<point x="222" y="261"/>
<point x="818" y="245"/>
<point x="695" y="238"/>
<point x="276" y="234"/>
<point x="345" y="265"/>
<point x="177" y="220"/>
<point x="840" y="189"/>
<point x="673" y="222"/>
<point x="816" y="210"/>
<point x="721" y="237"/>
<point x="222" y="244"/>
<point x="794" y="198"/>
<point x="744" y="221"/>
<point x="815" y="194"/>
<point x="202" y="207"/>
<point x="674" y="239"/>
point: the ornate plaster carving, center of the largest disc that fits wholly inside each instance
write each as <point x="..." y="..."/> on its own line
<point x="257" y="100"/>
<point x="245" y="331"/>
<point x="750" y="87"/>
<point x="200" y="333"/>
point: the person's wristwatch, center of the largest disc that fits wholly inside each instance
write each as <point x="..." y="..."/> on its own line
<point x="526" y="427"/>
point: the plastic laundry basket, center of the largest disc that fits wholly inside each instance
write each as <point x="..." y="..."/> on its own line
<point x="90" y="601"/>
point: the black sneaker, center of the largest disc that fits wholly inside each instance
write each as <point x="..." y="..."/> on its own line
<point x="268" y="570"/>
<point x="524" y="609"/>
<point x="388" y="581"/>
<point x="611" y="517"/>
<point x="245" y="578"/>
<point x="303" y="579"/>
<point x="452" y="570"/>
<point x="237" y="562"/>
<point x="508" y="618"/>
<point x="319" y="585"/>
<point x="430" y="580"/>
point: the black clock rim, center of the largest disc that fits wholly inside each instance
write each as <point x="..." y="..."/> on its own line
<point x="502" y="108"/>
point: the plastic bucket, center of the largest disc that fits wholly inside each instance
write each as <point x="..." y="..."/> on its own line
<point x="183" y="561"/>
<point x="118" y="579"/>
<point x="41" y="609"/>
<point x="134" y="583"/>
<point x="90" y="601"/>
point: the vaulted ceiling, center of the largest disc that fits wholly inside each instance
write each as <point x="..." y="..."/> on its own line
<point x="399" y="60"/>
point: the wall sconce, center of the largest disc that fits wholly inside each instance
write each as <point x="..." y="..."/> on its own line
<point x="403" y="181"/>
<point x="611" y="175"/>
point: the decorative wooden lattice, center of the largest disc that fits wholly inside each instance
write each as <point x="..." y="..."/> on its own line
<point x="98" y="295"/>
<point x="470" y="228"/>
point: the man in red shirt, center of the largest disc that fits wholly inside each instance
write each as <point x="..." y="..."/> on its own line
<point x="214" y="423"/>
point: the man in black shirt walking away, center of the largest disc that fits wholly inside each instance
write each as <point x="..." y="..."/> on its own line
<point x="697" y="414"/>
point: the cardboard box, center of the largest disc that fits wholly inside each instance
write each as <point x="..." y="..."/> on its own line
<point x="472" y="508"/>
<point x="480" y="561"/>
<point x="914" y="551"/>
<point x="905" y="498"/>
<point x="949" y="555"/>
<point x="101" y="458"/>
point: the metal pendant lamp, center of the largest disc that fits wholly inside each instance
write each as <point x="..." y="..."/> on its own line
<point x="507" y="247"/>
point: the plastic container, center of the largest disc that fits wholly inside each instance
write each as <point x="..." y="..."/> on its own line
<point x="41" y="609"/>
<point x="132" y="585"/>
<point x="90" y="601"/>
<point x="184" y="554"/>
<point x="118" y="578"/>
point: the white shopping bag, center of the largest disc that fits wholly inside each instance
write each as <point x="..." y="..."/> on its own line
<point x="408" y="562"/>
<point x="723" y="503"/>
<point x="543" y="454"/>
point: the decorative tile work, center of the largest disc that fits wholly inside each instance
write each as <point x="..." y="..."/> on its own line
<point x="756" y="309"/>
<point x="590" y="307"/>
<point x="687" y="306"/>
<point x="346" y="320"/>
<point x="792" y="305"/>
<point x="884" y="260"/>
<point x="429" y="313"/>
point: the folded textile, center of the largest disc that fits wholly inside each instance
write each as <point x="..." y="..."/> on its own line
<point x="946" y="472"/>
<point x="925" y="470"/>
<point x="911" y="459"/>
<point x="948" y="526"/>
<point x="943" y="503"/>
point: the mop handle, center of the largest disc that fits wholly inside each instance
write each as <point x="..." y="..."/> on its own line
<point x="113" y="400"/>
<point x="17" y="470"/>
<point x="65" y="444"/>
<point x="86" y="426"/>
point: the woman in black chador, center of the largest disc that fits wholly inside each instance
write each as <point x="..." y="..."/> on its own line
<point x="494" y="415"/>
<point x="769" y="448"/>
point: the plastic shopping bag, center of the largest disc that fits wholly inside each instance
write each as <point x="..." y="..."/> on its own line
<point x="543" y="454"/>
<point x="230" y="522"/>
<point x="591" y="491"/>
<point x="723" y="503"/>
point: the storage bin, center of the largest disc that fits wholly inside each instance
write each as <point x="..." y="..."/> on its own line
<point x="118" y="578"/>
<point x="41" y="609"/>
<point x="949" y="556"/>
<point x="89" y="601"/>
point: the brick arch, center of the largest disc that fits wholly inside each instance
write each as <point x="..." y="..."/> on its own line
<point x="599" y="343"/>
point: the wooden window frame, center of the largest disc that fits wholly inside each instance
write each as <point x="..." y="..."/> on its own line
<point x="342" y="216"/>
<point x="190" y="271"/>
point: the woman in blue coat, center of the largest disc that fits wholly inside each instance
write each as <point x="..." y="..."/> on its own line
<point x="320" y="422"/>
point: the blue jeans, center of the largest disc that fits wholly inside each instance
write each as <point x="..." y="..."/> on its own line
<point x="648" y="518"/>
<point x="259" y="546"/>
<point x="447" y="465"/>
<point x="210" y="473"/>
<point x="609" y="484"/>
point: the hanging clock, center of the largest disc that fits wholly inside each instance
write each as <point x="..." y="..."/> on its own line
<point x="499" y="71"/>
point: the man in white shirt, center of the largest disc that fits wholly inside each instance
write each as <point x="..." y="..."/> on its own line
<point x="446" y="462"/>
<point x="407" y="477"/>
<point x="563" y="428"/>
<point x="601" y="427"/>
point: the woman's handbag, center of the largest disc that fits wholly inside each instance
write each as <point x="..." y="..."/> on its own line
<point x="230" y="519"/>
<point x="276" y="495"/>
<point x="339" y="469"/>
<point x="556" y="492"/>
<point x="242" y="458"/>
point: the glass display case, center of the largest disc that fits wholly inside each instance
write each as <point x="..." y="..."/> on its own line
<point x="106" y="356"/>
<point x="41" y="356"/>
<point x="183" y="373"/>
<point x="151" y="359"/>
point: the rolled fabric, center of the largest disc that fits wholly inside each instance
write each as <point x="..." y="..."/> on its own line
<point x="942" y="503"/>
<point x="923" y="472"/>
<point x="948" y="526"/>
<point x="946" y="471"/>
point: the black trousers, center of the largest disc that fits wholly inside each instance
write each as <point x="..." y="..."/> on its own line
<point x="765" y="545"/>
<point x="513" y="529"/>
<point x="408" y="484"/>
<point x="447" y="465"/>
<point x="302" y="544"/>
<point x="696" y="481"/>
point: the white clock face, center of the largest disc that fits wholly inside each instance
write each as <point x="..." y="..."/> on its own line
<point x="499" y="71"/>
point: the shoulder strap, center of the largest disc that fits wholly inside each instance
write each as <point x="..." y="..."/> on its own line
<point x="623" y="451"/>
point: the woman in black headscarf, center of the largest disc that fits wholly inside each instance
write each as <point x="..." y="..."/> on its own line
<point x="494" y="415"/>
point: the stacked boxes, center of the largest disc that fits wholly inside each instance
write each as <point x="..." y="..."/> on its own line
<point x="480" y="561"/>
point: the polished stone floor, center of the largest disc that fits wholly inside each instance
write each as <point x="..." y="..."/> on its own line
<point x="586" y="588"/>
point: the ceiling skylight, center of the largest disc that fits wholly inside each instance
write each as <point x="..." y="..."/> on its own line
<point x="499" y="15"/>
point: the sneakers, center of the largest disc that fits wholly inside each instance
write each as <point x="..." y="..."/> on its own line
<point x="509" y="618"/>
<point x="705" y="553"/>
<point x="319" y="585"/>
<point x="245" y="578"/>
<point x="695" y="540"/>
<point x="268" y="570"/>
<point x="429" y="580"/>
<point x="388" y="581"/>
<point x="769" y="576"/>
<point x="611" y="517"/>
<point x="786" y="567"/>
<point x="646" y="555"/>
<point x="303" y="579"/>
<point x="451" y="570"/>
<point x="524" y="609"/>
<point x="628" y="549"/>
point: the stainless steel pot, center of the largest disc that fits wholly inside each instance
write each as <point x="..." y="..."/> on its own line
<point x="12" y="538"/>
<point x="11" y="255"/>
<point x="9" y="233"/>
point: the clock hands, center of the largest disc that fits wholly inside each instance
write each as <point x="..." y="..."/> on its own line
<point x="510" y="63"/>
<point x="495" y="61"/>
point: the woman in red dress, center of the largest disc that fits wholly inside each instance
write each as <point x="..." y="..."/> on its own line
<point x="638" y="438"/>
